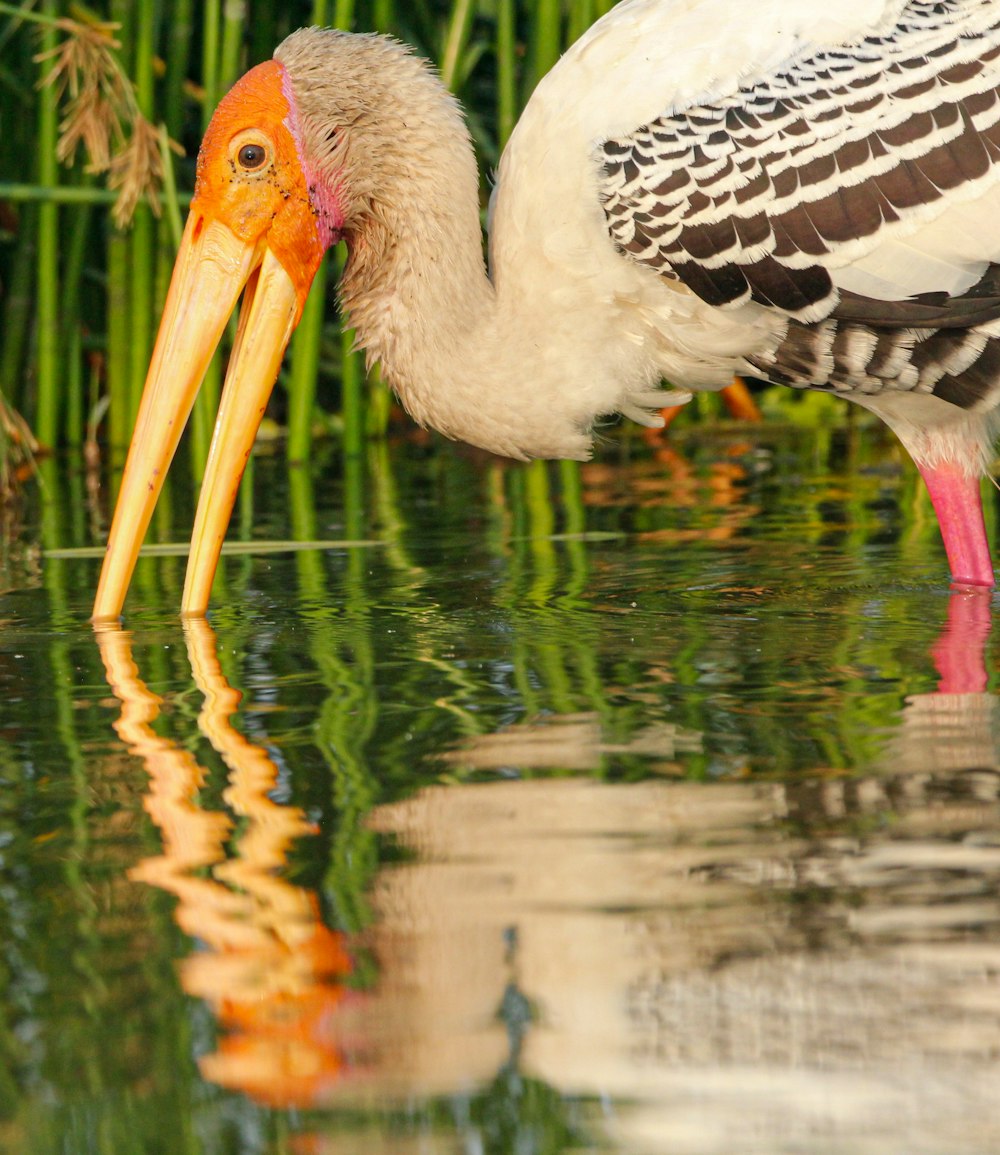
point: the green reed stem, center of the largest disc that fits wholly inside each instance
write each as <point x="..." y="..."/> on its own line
<point x="47" y="299"/>
<point x="573" y="504"/>
<point x="343" y="14"/>
<point x="143" y="25"/>
<point x="119" y="424"/>
<point x="65" y="194"/>
<point x="179" y="30"/>
<point x="19" y="291"/>
<point x="119" y="296"/>
<point x="455" y="41"/>
<point x="143" y="238"/>
<point x="171" y="201"/>
<point x="506" y="58"/>
<point x="581" y="15"/>
<point x="305" y="353"/>
<point x="49" y="16"/>
<point x="73" y="389"/>
<point x="309" y="563"/>
<point x="141" y="242"/>
<point x="320" y="13"/>
<point x="210" y="26"/>
<point x="270" y="24"/>
<point x="234" y="20"/>
<point x="352" y="381"/>
<point x="384" y="15"/>
<point x="75" y="415"/>
<point x="203" y="416"/>
<point x="546" y="40"/>
<point x="377" y="397"/>
<point x="170" y="226"/>
<point x="73" y="266"/>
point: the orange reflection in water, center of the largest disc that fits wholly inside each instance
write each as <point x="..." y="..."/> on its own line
<point x="671" y="481"/>
<point x="272" y="971"/>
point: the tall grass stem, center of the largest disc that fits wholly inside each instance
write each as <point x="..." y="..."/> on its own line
<point x="305" y="369"/>
<point x="455" y="41"/>
<point x="47" y="286"/>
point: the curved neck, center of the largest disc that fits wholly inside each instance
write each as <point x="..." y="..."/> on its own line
<point x="391" y="147"/>
<point x="416" y="289"/>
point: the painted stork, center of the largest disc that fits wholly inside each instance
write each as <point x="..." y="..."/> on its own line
<point x="801" y="192"/>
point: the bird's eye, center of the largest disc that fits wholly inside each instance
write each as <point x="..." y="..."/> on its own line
<point x="252" y="157"/>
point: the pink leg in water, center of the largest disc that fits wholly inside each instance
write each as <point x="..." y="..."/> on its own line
<point x="959" y="508"/>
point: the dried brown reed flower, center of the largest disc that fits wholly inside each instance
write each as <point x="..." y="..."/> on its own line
<point x="136" y="170"/>
<point x="87" y="75"/>
<point x="18" y="449"/>
<point x="102" y="114"/>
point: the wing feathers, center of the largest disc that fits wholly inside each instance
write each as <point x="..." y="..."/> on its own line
<point x="767" y="194"/>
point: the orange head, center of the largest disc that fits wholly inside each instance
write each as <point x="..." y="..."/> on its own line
<point x="254" y="178"/>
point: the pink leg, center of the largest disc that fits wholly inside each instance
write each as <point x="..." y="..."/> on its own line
<point x="959" y="508"/>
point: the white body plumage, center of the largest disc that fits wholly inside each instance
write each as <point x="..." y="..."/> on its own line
<point x="667" y="57"/>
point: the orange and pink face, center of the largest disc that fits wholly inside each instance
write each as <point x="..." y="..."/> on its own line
<point x="254" y="175"/>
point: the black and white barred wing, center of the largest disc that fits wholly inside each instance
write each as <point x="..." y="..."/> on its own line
<point x="861" y="182"/>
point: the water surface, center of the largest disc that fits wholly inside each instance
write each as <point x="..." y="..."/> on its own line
<point x="650" y="806"/>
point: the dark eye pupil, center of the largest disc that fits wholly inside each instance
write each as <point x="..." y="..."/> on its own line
<point x="251" y="155"/>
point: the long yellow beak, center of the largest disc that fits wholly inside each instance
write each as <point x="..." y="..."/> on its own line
<point x="213" y="267"/>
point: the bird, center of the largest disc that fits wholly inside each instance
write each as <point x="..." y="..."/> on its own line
<point x="801" y="193"/>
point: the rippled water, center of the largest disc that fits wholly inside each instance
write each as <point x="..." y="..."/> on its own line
<point x="648" y="807"/>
